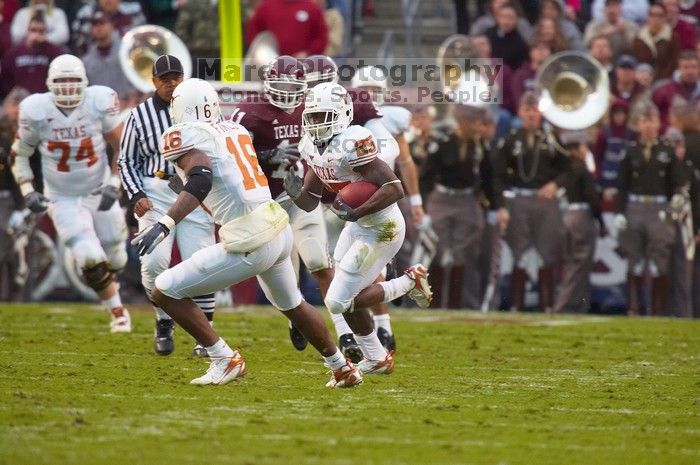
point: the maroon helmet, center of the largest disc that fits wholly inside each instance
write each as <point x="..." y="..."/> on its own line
<point x="320" y="68"/>
<point x="284" y="82"/>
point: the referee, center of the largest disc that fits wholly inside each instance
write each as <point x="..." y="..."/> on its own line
<point x="146" y="178"/>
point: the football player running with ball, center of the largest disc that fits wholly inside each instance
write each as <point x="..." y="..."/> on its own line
<point x="340" y="154"/>
<point x="70" y="124"/>
<point x="219" y="166"/>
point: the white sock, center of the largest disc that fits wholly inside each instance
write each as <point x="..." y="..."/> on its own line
<point x="372" y="349"/>
<point x="220" y="350"/>
<point x="383" y="321"/>
<point x="341" y="326"/>
<point x="113" y="302"/>
<point x="396" y="287"/>
<point x="335" y="361"/>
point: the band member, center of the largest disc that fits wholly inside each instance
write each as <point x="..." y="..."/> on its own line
<point x="456" y="214"/>
<point x="582" y="210"/>
<point x="532" y="165"/>
<point x="651" y="181"/>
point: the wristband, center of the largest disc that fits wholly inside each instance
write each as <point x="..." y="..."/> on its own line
<point x="167" y="222"/>
<point x="26" y="187"/>
<point x="115" y="181"/>
<point x="416" y="200"/>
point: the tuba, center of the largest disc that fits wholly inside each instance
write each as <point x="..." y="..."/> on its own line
<point x="574" y="91"/>
<point x="141" y="46"/>
<point x="451" y="54"/>
<point x="261" y="52"/>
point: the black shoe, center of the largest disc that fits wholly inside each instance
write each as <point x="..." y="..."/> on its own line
<point x="298" y="340"/>
<point x="386" y="339"/>
<point x="349" y="348"/>
<point x="391" y="274"/>
<point x="163" y="342"/>
<point x="199" y="351"/>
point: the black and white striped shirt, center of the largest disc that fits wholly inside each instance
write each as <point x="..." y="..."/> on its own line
<point x="139" y="153"/>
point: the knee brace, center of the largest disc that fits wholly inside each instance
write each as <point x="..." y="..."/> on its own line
<point x="97" y="276"/>
<point x="117" y="257"/>
<point x="336" y="307"/>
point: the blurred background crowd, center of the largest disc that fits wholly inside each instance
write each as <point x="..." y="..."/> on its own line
<point x="649" y="50"/>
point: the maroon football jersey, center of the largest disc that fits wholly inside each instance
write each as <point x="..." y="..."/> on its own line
<point x="271" y="127"/>
<point x="363" y="108"/>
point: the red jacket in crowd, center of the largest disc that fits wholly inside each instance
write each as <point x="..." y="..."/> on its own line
<point x="298" y="25"/>
<point x="27" y="66"/>
<point x="664" y="94"/>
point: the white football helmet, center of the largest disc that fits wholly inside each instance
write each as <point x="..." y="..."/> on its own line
<point x="195" y="100"/>
<point x="374" y="80"/>
<point x="327" y="111"/>
<point x="71" y="69"/>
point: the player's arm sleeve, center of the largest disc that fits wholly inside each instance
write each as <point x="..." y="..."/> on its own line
<point x="23" y="147"/>
<point x="363" y="150"/>
<point x="130" y="160"/>
<point x="107" y="106"/>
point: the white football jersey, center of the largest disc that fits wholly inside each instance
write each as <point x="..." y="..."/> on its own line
<point x="238" y="183"/>
<point x="354" y="147"/>
<point x="74" y="160"/>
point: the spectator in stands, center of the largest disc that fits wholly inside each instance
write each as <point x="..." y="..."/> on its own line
<point x="298" y="26"/>
<point x="552" y="9"/>
<point x="619" y="31"/>
<point x="623" y="84"/>
<point x="164" y="12"/>
<point x="506" y="41"/>
<point x="198" y="26"/>
<point x="9" y="9"/>
<point x="633" y="10"/>
<point x="656" y="43"/>
<point x="644" y="75"/>
<point x="124" y="16"/>
<point x="27" y="63"/>
<point x="335" y="26"/>
<point x="524" y="78"/>
<point x="547" y="30"/>
<point x="56" y="22"/>
<point x="487" y="21"/>
<point x="685" y="31"/>
<point x="609" y="149"/>
<point x="102" y="59"/>
<point x="690" y="12"/>
<point x="683" y="86"/>
<point x="599" y="48"/>
<point x="5" y="36"/>
<point x="483" y="51"/>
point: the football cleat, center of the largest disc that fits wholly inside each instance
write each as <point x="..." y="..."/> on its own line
<point x="377" y="367"/>
<point x="349" y="347"/>
<point x="200" y="351"/>
<point x="121" y="321"/>
<point x="163" y="341"/>
<point x="345" y="377"/>
<point x="222" y="370"/>
<point x="298" y="340"/>
<point x="421" y="292"/>
<point x="386" y="339"/>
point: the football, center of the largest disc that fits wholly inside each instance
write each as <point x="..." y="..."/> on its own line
<point x="356" y="193"/>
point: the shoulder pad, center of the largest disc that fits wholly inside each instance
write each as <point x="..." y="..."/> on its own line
<point x="34" y="107"/>
<point x="104" y="98"/>
<point x="181" y="138"/>
<point x="357" y="146"/>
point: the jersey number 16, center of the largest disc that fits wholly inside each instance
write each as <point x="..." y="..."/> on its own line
<point x="244" y="154"/>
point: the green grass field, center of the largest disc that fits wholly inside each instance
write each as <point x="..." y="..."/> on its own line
<point x="468" y="389"/>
